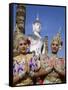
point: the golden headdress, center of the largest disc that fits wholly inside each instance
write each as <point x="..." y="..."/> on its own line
<point x="58" y="39"/>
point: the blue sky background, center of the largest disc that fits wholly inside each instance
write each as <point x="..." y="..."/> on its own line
<point x="51" y="19"/>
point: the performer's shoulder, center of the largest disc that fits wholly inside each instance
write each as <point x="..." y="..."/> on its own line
<point x="16" y="58"/>
<point x="62" y="60"/>
<point x="44" y="57"/>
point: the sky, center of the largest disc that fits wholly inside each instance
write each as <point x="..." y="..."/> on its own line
<point x="52" y="18"/>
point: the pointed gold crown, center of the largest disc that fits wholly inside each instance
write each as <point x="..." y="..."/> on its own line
<point x="58" y="39"/>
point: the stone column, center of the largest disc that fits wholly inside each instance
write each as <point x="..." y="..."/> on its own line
<point x="20" y="17"/>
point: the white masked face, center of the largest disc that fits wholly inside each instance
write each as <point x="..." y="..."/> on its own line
<point x="37" y="27"/>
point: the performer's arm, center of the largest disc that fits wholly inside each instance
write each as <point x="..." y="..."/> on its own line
<point x="43" y="70"/>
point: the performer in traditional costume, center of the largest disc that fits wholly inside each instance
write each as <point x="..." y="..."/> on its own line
<point x="56" y="64"/>
<point x="21" y="62"/>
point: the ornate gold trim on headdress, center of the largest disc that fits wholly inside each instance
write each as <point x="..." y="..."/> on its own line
<point x="58" y="39"/>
